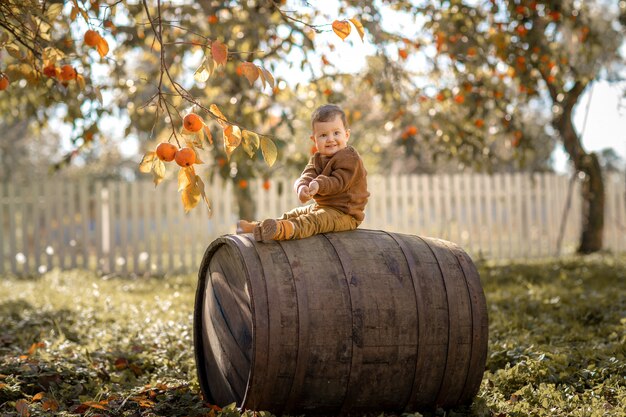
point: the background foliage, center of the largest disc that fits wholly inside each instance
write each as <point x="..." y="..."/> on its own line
<point x="488" y="85"/>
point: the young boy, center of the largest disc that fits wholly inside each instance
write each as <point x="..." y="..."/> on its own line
<point x="334" y="177"/>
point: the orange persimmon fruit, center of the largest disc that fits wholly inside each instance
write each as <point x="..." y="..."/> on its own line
<point x="4" y="82"/>
<point x="51" y="71"/>
<point x="185" y="157"/>
<point x="192" y="122"/>
<point x="67" y="73"/>
<point x="91" y="38"/>
<point x="166" y="151"/>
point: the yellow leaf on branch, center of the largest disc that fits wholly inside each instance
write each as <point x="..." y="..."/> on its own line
<point x="207" y="132"/>
<point x="186" y="176"/>
<point x="195" y="141"/>
<point x="190" y="196"/>
<point x="266" y="76"/>
<point x="202" y="73"/>
<point x="232" y="135"/>
<point x="158" y="171"/>
<point x="80" y="10"/>
<point x="219" y="52"/>
<point x="54" y="10"/>
<point x="200" y="184"/>
<point x="270" y="152"/>
<point x="359" y="27"/>
<point x="80" y="80"/>
<point x="102" y="46"/>
<point x="221" y="119"/>
<point x="14" y="51"/>
<point x="341" y="28"/>
<point x="232" y="139"/>
<point x="250" y="71"/>
<point x="145" y="165"/>
<point x="250" y="142"/>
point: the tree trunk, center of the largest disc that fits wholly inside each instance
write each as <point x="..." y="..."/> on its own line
<point x="593" y="205"/>
<point x="593" y="183"/>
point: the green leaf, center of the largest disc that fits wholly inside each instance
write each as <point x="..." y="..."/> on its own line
<point x="250" y="142"/>
<point x="270" y="153"/>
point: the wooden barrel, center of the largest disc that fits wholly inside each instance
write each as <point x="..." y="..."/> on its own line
<point x="340" y="322"/>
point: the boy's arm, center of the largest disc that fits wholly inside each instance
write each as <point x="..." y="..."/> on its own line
<point x="341" y="176"/>
<point x="308" y="175"/>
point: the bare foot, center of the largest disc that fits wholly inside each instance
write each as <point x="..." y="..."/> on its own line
<point x="244" y="226"/>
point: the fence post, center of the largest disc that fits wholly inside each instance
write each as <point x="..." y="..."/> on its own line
<point x="2" y="232"/>
<point x="103" y="226"/>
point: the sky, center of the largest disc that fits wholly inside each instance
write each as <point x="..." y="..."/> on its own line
<point x="606" y="122"/>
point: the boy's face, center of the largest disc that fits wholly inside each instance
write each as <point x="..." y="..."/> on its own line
<point x="330" y="137"/>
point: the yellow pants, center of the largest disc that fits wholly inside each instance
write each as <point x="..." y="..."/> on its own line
<point x="313" y="219"/>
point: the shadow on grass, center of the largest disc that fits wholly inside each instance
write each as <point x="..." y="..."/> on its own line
<point x="24" y="324"/>
<point x="47" y="367"/>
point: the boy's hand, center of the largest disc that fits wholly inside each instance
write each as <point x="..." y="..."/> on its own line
<point x="303" y="194"/>
<point x="314" y="187"/>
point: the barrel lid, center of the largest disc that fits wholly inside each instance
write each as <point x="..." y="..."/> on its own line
<point x="223" y="334"/>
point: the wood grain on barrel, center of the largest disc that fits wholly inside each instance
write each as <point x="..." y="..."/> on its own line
<point x="255" y="277"/>
<point x="384" y="320"/>
<point x="459" y="326"/>
<point x="432" y="334"/>
<point x="339" y="323"/>
<point x="480" y="325"/>
<point x="283" y="330"/>
<point x="322" y="358"/>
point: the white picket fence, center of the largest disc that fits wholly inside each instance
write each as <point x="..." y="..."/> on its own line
<point x="129" y="227"/>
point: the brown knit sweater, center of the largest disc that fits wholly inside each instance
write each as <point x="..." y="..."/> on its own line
<point x="342" y="180"/>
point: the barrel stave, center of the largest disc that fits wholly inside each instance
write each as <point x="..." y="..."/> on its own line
<point x="459" y="326"/>
<point x="324" y="331"/>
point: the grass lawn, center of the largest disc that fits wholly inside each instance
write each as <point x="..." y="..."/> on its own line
<point x="73" y="343"/>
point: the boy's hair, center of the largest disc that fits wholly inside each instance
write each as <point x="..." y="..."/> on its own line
<point x="328" y="112"/>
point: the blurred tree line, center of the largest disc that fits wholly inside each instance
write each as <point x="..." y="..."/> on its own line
<point x="488" y="85"/>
